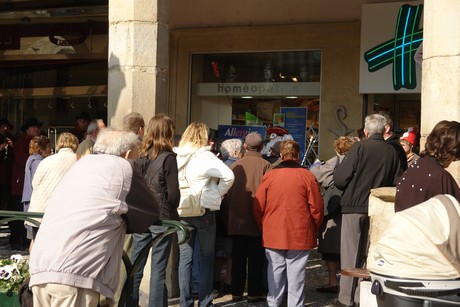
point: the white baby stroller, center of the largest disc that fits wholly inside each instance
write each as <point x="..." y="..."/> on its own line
<point x="417" y="261"/>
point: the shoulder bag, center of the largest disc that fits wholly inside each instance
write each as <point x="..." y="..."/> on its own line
<point x="189" y="204"/>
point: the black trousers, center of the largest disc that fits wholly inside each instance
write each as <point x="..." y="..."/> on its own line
<point x="247" y="252"/>
<point x="18" y="236"/>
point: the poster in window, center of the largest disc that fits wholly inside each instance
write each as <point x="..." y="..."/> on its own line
<point x="278" y="119"/>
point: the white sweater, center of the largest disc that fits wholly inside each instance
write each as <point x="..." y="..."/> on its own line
<point x="206" y="173"/>
<point x="47" y="176"/>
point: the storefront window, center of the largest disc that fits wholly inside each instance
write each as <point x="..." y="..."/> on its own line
<point x="252" y="88"/>
<point x="404" y="109"/>
<point x="53" y="72"/>
<point x="53" y="93"/>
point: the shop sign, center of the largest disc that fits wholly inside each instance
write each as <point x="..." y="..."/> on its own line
<point x="258" y="89"/>
<point x="390" y="36"/>
<point x="225" y="132"/>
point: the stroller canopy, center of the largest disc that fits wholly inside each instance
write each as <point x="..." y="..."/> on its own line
<point x="422" y="242"/>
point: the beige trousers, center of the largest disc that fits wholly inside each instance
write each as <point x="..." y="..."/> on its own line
<point x="57" y="295"/>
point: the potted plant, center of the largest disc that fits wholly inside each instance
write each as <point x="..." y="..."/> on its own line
<point x="13" y="272"/>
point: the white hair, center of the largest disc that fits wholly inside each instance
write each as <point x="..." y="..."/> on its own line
<point x="91" y="127"/>
<point x="230" y="146"/>
<point x="115" y="142"/>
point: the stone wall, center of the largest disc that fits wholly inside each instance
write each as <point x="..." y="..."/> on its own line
<point x="381" y="210"/>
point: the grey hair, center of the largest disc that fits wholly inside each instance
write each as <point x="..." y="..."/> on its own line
<point x="115" y="142"/>
<point x="92" y="126"/>
<point x="388" y="121"/>
<point x="230" y="146"/>
<point x="375" y="124"/>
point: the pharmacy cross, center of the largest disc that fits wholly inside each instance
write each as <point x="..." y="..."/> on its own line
<point x="400" y="50"/>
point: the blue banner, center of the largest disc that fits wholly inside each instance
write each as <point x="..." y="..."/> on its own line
<point x="225" y="132"/>
<point x="296" y="123"/>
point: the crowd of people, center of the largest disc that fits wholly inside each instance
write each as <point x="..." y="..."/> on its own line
<point x="254" y="218"/>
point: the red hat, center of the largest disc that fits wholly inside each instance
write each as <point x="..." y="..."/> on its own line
<point x="409" y="136"/>
<point x="277" y="130"/>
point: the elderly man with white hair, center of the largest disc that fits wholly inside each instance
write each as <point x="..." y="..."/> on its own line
<point x="369" y="164"/>
<point x="79" y="245"/>
<point x="231" y="150"/>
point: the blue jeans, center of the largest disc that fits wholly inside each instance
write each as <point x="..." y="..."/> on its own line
<point x="158" y="294"/>
<point x="196" y="268"/>
<point x="203" y="229"/>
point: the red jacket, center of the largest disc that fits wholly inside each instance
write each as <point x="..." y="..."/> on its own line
<point x="21" y="153"/>
<point x="288" y="207"/>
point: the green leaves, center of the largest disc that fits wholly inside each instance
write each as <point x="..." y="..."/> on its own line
<point x="13" y="271"/>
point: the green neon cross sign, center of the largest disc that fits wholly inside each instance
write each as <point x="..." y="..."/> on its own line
<point x="400" y="50"/>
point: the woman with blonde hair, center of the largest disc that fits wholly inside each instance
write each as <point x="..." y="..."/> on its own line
<point x="49" y="173"/>
<point x="157" y="162"/>
<point x="209" y="179"/>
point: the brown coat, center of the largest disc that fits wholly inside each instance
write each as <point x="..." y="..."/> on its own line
<point x="248" y="171"/>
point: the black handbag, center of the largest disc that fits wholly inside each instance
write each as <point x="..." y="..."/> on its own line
<point x="25" y="294"/>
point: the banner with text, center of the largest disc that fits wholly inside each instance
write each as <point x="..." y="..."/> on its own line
<point x="225" y="132"/>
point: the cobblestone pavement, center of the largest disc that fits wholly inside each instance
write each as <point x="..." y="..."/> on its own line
<point x="316" y="276"/>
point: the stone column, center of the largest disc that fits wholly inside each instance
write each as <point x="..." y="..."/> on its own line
<point x="138" y="58"/>
<point x="441" y="67"/>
